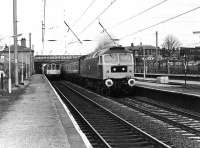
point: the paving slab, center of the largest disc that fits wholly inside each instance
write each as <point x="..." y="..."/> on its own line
<point x="36" y="119"/>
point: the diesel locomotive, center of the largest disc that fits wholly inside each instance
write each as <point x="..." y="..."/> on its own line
<point x="111" y="67"/>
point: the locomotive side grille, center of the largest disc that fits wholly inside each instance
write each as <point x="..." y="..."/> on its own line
<point x="119" y="69"/>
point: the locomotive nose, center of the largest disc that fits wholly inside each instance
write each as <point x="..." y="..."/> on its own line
<point x="109" y="83"/>
<point x="131" y="82"/>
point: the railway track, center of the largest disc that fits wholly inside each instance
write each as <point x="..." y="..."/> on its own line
<point x="179" y="120"/>
<point x="101" y="126"/>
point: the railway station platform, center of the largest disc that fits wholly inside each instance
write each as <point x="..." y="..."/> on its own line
<point x="36" y="119"/>
<point x="177" y="86"/>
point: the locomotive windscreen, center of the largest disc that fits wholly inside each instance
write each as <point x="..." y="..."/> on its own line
<point x="111" y="59"/>
<point x="125" y="58"/>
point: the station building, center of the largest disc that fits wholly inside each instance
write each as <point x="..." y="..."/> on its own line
<point x="25" y="57"/>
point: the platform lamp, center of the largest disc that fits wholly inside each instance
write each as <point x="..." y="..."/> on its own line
<point x="185" y="67"/>
<point x="9" y="64"/>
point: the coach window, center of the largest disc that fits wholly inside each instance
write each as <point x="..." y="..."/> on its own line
<point x="54" y="66"/>
<point x="57" y="66"/>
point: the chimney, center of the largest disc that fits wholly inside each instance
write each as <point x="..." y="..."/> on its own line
<point x="23" y="42"/>
<point x="30" y="40"/>
<point x="132" y="45"/>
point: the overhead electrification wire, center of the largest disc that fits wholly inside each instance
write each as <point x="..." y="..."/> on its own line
<point x="138" y="14"/>
<point x="104" y="29"/>
<point x="90" y="5"/>
<point x="98" y="16"/>
<point x="73" y="32"/>
<point x="164" y="21"/>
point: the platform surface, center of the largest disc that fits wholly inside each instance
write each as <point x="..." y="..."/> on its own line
<point x="36" y="119"/>
<point x="178" y="86"/>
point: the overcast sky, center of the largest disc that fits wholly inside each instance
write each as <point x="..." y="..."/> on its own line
<point x="118" y="18"/>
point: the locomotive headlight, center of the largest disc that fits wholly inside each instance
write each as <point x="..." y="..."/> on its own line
<point x="114" y="69"/>
<point x="109" y="83"/>
<point x="131" y="82"/>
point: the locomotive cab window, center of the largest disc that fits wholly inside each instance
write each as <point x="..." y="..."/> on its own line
<point x="111" y="59"/>
<point x="125" y="58"/>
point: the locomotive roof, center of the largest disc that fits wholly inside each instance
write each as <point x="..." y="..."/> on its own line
<point x="109" y="51"/>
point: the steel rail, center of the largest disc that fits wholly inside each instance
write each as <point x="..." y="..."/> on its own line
<point x="80" y="114"/>
<point x="128" y="123"/>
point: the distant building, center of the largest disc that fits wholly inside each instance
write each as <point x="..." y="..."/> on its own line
<point x="25" y="56"/>
<point x="148" y="51"/>
<point x="190" y="53"/>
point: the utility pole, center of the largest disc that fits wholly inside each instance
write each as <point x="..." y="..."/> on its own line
<point x="156" y="51"/>
<point x="156" y="45"/>
<point x="30" y="57"/>
<point x="144" y="61"/>
<point x="43" y="24"/>
<point x="15" y="40"/>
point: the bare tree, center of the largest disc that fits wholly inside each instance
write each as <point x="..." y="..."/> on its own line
<point x="170" y="45"/>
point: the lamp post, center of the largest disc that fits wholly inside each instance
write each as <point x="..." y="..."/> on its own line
<point x="26" y="68"/>
<point x="9" y="70"/>
<point x="9" y="63"/>
<point x="22" y="75"/>
<point x="144" y="61"/>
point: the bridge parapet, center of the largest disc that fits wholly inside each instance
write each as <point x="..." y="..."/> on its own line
<point x="40" y="60"/>
<point x="50" y="58"/>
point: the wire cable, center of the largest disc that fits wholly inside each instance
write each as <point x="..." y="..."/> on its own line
<point x="138" y="14"/>
<point x="90" y="5"/>
<point x="164" y="21"/>
<point x="98" y="16"/>
<point x="73" y="32"/>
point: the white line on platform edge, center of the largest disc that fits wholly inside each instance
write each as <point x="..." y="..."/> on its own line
<point x="83" y="136"/>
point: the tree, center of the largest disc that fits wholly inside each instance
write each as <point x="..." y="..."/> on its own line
<point x="170" y="45"/>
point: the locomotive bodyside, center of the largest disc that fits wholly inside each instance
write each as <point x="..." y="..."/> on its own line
<point x="91" y="68"/>
<point x="111" y="67"/>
